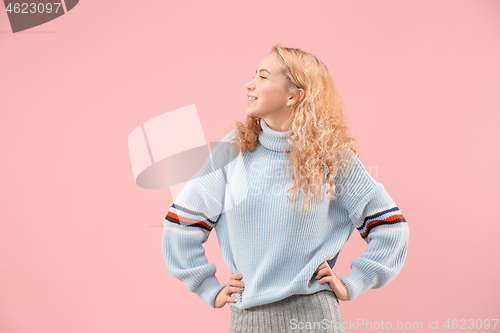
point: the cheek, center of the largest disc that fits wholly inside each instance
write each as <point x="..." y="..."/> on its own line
<point x="272" y="95"/>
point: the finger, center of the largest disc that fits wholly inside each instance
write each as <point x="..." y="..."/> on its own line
<point x="234" y="289"/>
<point x="232" y="299"/>
<point x="237" y="289"/>
<point x="320" y="267"/>
<point x="236" y="283"/>
<point x="235" y="276"/>
<point x="325" y="279"/>
<point x="323" y="272"/>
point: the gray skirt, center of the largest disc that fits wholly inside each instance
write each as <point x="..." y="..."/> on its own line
<point x="318" y="312"/>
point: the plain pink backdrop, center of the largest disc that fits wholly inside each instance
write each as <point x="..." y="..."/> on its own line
<point x="80" y="242"/>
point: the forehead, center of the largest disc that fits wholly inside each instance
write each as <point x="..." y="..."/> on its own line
<point x="270" y="63"/>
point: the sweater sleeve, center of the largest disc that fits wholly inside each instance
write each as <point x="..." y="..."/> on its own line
<point x="187" y="226"/>
<point x="380" y="223"/>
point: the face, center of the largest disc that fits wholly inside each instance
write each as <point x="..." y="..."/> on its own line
<point x="272" y="99"/>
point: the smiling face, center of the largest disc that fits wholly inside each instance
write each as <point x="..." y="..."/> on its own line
<point x="273" y="101"/>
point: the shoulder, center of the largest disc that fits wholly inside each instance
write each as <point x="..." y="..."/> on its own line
<point x="355" y="172"/>
<point x="231" y="135"/>
<point x="224" y="151"/>
<point x="355" y="182"/>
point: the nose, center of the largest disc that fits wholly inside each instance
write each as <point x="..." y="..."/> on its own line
<point x="250" y="85"/>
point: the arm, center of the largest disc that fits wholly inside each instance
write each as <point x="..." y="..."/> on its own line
<point x="381" y="224"/>
<point x="187" y="226"/>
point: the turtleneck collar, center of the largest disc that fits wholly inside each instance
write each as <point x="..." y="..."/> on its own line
<point x="272" y="139"/>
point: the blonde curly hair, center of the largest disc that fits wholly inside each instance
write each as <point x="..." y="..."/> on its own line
<point x="318" y="129"/>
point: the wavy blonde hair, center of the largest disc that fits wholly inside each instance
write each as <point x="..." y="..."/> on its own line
<point x="318" y="129"/>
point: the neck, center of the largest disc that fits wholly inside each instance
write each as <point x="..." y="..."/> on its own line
<point x="273" y="140"/>
<point x="276" y="123"/>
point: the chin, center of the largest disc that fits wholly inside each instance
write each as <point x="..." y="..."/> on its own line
<point x="251" y="113"/>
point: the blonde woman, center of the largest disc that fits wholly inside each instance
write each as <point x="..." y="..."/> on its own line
<point x="293" y="148"/>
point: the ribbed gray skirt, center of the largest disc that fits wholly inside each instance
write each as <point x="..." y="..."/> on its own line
<point x="318" y="312"/>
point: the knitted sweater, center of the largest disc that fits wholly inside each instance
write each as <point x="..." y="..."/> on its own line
<point x="276" y="249"/>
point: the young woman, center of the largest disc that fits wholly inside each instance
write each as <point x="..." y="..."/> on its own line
<point x="292" y="147"/>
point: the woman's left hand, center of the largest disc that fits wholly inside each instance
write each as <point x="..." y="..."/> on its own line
<point x="326" y="274"/>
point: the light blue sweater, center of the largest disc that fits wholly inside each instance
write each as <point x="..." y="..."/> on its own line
<point x="275" y="248"/>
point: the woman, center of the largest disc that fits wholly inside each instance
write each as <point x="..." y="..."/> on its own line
<point x="293" y="140"/>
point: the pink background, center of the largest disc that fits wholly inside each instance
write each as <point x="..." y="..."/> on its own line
<point x="80" y="242"/>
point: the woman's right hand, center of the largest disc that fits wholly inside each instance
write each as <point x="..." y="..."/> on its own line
<point x="233" y="286"/>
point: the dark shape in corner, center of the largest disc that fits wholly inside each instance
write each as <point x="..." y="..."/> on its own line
<point x="25" y="18"/>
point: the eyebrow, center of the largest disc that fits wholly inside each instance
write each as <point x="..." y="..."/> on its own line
<point x="263" y="69"/>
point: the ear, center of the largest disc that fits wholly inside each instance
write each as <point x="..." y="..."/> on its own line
<point x="296" y="97"/>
